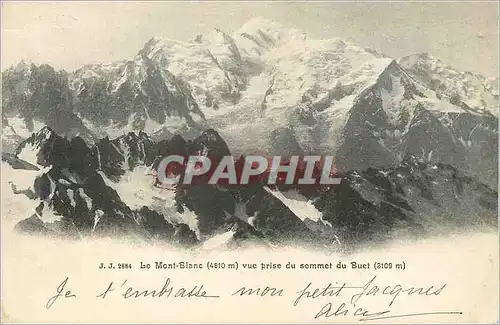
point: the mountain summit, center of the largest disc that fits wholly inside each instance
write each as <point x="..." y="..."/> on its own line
<point x="266" y="82"/>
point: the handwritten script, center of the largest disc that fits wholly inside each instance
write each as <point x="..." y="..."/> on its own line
<point x="334" y="300"/>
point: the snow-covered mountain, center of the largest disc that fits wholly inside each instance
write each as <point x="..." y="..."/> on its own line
<point x="468" y="90"/>
<point x="133" y="95"/>
<point x="268" y="89"/>
<point x="34" y="96"/>
<point x="404" y="132"/>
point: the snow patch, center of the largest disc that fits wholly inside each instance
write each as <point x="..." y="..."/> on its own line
<point x="97" y="217"/>
<point x="392" y="101"/>
<point x="298" y="204"/>
<point x="29" y="154"/>
<point x="17" y="207"/>
<point x="136" y="189"/>
<point x="71" y="196"/>
<point x="218" y="241"/>
<point x="87" y="199"/>
<point x="48" y="215"/>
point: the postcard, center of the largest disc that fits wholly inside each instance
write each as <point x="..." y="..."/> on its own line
<point x="249" y="162"/>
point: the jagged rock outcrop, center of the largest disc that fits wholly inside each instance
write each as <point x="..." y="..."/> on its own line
<point x="82" y="194"/>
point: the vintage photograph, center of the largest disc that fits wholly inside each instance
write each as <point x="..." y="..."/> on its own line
<point x="328" y="127"/>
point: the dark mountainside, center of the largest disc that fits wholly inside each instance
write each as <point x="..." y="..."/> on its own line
<point x="369" y="206"/>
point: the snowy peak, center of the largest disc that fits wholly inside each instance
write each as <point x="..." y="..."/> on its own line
<point x="267" y="34"/>
<point x="44" y="134"/>
<point x="24" y="66"/>
<point x="464" y="89"/>
<point x="262" y="58"/>
<point x="425" y="62"/>
<point x="32" y="149"/>
<point x="35" y="96"/>
<point x="150" y="45"/>
<point x="210" y="144"/>
<point x="132" y="95"/>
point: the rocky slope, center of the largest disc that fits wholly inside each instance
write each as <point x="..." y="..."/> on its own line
<point x="110" y="189"/>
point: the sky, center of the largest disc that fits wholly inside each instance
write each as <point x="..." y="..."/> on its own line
<point x="68" y="35"/>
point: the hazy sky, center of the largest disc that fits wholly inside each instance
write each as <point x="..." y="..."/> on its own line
<point x="68" y="35"/>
